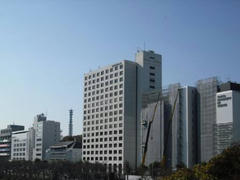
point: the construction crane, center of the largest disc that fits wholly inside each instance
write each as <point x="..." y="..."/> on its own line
<point x="163" y="161"/>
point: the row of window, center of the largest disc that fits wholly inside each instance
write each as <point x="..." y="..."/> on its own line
<point x="103" y="134"/>
<point x="106" y="77"/>
<point x="102" y="139"/>
<point x="18" y="154"/>
<point x="114" y="132"/>
<point x="103" y="109"/>
<point x="18" y="149"/>
<point x="20" y="145"/>
<point x="104" y="72"/>
<point x="101" y="115"/>
<point x="107" y="83"/>
<point x="102" y="158"/>
<point x="103" y="102"/>
<point x="106" y="126"/>
<point x="101" y="121"/>
<point x="101" y="91"/>
<point x="101" y="146"/>
<point x="108" y="95"/>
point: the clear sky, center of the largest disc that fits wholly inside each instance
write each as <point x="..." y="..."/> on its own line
<point x="47" y="45"/>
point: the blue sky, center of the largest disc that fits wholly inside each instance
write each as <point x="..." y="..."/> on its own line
<point x="46" y="46"/>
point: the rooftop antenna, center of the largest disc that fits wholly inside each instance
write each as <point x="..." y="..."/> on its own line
<point x="46" y="112"/>
<point x="144" y="45"/>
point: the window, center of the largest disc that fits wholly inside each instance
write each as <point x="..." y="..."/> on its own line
<point x="152" y="80"/>
<point x="152" y="74"/>
<point x="152" y="67"/>
<point x="152" y="87"/>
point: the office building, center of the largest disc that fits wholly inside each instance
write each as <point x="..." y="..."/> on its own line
<point x="45" y="133"/>
<point x="207" y="89"/>
<point x="109" y="124"/>
<point x="65" y="151"/>
<point x="5" y="141"/>
<point x="20" y="146"/>
<point x="112" y="107"/>
<point x="228" y="116"/>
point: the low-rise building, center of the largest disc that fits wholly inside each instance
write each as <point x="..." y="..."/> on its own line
<point x="65" y="151"/>
<point x="20" y="149"/>
<point x="5" y="141"/>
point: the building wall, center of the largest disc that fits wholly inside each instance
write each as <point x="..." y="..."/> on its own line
<point x="174" y="128"/>
<point x="5" y="141"/>
<point x="228" y="119"/>
<point x="207" y="90"/>
<point x="151" y="70"/>
<point x="187" y="135"/>
<point x="20" y="146"/>
<point x="46" y="133"/>
<point x="236" y="117"/>
<point x="110" y="114"/>
<point x="131" y="128"/>
<point x="156" y="137"/>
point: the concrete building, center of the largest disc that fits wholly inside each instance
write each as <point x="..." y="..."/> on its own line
<point x="112" y="109"/>
<point x="5" y="141"/>
<point x="228" y="116"/>
<point x="45" y="133"/>
<point x="150" y="71"/>
<point x="207" y="89"/>
<point x="109" y="123"/>
<point x="156" y="136"/>
<point x="20" y="146"/>
<point x="65" y="151"/>
<point x="187" y="139"/>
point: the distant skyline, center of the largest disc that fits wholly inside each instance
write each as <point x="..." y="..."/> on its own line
<point x="46" y="47"/>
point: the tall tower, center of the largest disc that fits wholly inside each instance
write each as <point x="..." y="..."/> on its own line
<point x="70" y="122"/>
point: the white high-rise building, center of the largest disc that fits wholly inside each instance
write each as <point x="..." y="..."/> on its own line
<point x="45" y="134"/>
<point x="112" y="106"/>
<point x="228" y="116"/>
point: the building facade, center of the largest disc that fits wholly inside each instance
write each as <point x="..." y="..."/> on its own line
<point x="65" y="151"/>
<point x="112" y="110"/>
<point x="187" y="138"/>
<point x="20" y="146"/>
<point x="156" y="135"/>
<point x="207" y="89"/>
<point x="109" y="122"/>
<point x="228" y="116"/>
<point x="5" y="141"/>
<point x="45" y="133"/>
